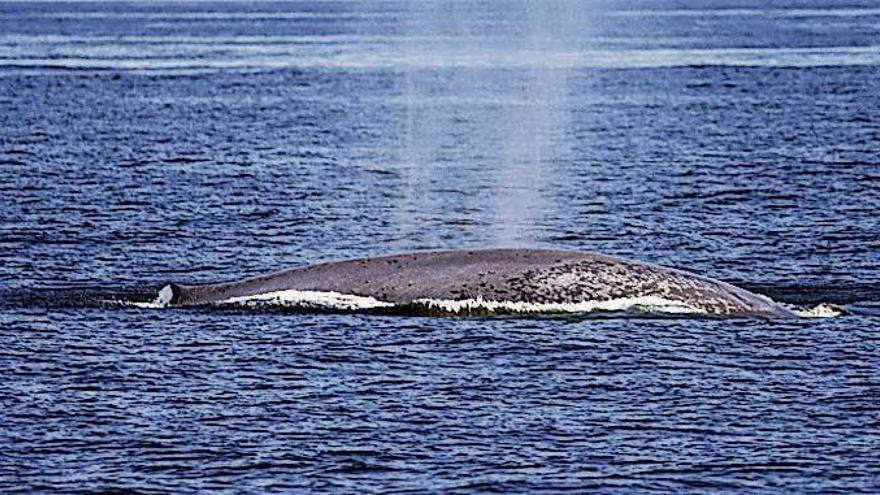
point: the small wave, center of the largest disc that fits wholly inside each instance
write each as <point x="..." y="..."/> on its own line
<point x="750" y="12"/>
<point x="806" y="295"/>
<point x="160" y="59"/>
<point x="820" y="311"/>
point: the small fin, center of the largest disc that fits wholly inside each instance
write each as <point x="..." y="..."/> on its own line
<point x="168" y="295"/>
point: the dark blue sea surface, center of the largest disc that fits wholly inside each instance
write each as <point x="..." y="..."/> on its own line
<point x="144" y="142"/>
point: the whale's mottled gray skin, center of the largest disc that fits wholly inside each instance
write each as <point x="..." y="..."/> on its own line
<point x="520" y="275"/>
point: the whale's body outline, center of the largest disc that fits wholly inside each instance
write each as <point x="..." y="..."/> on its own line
<point x="547" y="277"/>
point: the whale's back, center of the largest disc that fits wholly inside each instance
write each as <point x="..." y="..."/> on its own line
<point x="532" y="276"/>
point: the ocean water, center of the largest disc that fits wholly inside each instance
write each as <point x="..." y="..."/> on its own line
<point x="144" y="142"/>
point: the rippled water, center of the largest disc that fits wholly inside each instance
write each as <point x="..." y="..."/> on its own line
<point x="143" y="143"/>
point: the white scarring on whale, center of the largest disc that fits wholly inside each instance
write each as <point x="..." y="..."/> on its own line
<point x="484" y="281"/>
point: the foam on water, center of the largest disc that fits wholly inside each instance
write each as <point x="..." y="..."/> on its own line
<point x="652" y="304"/>
<point x="309" y="299"/>
<point x="819" y="311"/>
<point x="336" y="301"/>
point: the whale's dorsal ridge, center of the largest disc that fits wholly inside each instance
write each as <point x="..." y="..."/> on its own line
<point x="550" y="277"/>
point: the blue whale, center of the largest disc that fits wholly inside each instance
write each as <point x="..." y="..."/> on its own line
<point x="523" y="279"/>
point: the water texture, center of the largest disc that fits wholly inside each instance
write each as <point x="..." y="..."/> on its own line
<point x="142" y="143"/>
